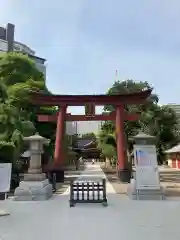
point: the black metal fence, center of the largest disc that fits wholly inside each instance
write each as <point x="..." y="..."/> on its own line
<point x="88" y="192"/>
<point x="2" y="196"/>
<point x="52" y="179"/>
<point x="54" y="182"/>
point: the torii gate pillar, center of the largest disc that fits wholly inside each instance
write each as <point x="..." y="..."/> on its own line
<point x="57" y="165"/>
<point x="123" y="173"/>
<point x="60" y="131"/>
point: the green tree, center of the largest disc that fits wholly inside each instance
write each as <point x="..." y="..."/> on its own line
<point x="7" y="150"/>
<point x="16" y="68"/>
<point x="156" y="120"/>
<point x="19" y="77"/>
<point x="109" y="153"/>
<point x="13" y="127"/>
<point x="90" y="135"/>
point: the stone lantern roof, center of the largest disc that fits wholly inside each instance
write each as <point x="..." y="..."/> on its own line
<point x="36" y="137"/>
<point x="142" y="135"/>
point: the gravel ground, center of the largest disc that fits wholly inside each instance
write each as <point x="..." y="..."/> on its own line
<point x="169" y="178"/>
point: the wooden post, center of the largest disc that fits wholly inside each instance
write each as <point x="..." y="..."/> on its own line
<point x="121" y="146"/>
<point x="60" y="131"/>
<point x="123" y="173"/>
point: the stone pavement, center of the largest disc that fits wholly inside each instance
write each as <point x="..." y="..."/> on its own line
<point x="93" y="172"/>
<point x="122" y="219"/>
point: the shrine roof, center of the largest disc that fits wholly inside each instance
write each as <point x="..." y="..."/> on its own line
<point x="83" y="143"/>
<point x="175" y="149"/>
<point x="80" y="100"/>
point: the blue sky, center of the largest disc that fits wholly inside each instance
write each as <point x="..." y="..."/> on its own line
<point x="85" y="41"/>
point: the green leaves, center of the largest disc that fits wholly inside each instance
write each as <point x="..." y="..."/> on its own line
<point x="18" y="78"/>
<point x="6" y="151"/>
<point x="108" y="151"/>
<point x="88" y="136"/>
<point x="16" y="67"/>
<point x="156" y="120"/>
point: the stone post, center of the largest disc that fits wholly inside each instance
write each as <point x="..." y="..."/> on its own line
<point x="146" y="182"/>
<point x="35" y="186"/>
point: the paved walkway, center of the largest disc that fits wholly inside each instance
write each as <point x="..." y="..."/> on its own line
<point x="93" y="172"/>
<point x="122" y="219"/>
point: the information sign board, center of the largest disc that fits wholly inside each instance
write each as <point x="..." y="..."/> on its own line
<point x="5" y="177"/>
<point x="147" y="174"/>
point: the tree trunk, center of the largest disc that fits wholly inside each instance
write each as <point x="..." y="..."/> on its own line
<point x="77" y="164"/>
<point x="107" y="163"/>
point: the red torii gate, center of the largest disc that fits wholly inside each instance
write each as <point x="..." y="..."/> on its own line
<point x="120" y="115"/>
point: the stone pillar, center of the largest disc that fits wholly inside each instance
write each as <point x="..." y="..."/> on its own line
<point x="123" y="172"/>
<point x="146" y="183"/>
<point x="35" y="186"/>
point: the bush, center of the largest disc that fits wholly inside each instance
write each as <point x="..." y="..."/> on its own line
<point x="7" y="150"/>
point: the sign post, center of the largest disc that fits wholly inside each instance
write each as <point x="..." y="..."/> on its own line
<point x="5" y="182"/>
<point x="146" y="184"/>
<point x="147" y="175"/>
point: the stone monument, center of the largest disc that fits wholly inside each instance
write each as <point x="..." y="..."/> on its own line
<point x="146" y="182"/>
<point x="35" y="186"/>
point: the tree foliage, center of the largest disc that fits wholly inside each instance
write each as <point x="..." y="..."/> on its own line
<point x="19" y="77"/>
<point x="6" y="151"/>
<point x="156" y="120"/>
<point x="16" y="67"/>
<point x="90" y="135"/>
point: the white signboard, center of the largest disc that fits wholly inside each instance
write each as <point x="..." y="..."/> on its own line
<point x="145" y="155"/>
<point x="147" y="175"/>
<point x="5" y="177"/>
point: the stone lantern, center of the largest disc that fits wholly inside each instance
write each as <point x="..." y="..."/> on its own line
<point x="36" y="143"/>
<point x="144" y="139"/>
<point x="146" y="182"/>
<point x="35" y="186"/>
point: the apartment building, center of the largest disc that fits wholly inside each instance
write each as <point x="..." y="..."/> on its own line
<point x="8" y="44"/>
